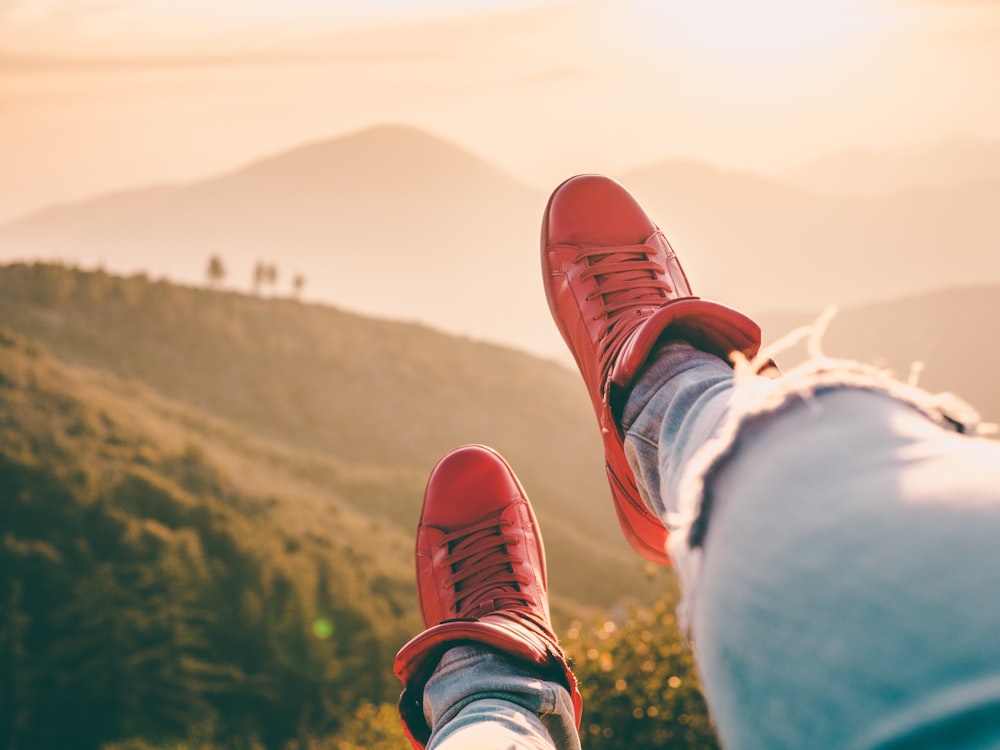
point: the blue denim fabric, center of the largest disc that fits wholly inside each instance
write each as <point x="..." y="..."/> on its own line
<point x="845" y="589"/>
<point x="480" y="700"/>
<point x="838" y="542"/>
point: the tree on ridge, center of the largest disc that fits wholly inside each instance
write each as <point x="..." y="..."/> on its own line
<point x="216" y="271"/>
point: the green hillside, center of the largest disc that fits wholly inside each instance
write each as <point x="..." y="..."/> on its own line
<point x="382" y="398"/>
<point x="158" y="576"/>
<point x="207" y="505"/>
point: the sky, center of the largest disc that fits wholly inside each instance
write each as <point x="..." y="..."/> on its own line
<point x="104" y="95"/>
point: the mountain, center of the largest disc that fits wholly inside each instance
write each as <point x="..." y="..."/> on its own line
<point x="384" y="396"/>
<point x="377" y="396"/>
<point x="164" y="574"/>
<point x="209" y="499"/>
<point x="948" y="163"/>
<point x="169" y="579"/>
<point x="388" y="221"/>
<point x="946" y="334"/>
<point x="398" y="223"/>
<point x="758" y="244"/>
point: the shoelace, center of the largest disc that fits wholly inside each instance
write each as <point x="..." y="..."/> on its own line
<point x="482" y="577"/>
<point x="628" y="282"/>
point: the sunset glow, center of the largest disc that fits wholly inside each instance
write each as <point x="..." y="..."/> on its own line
<point x="105" y="96"/>
<point x="761" y="33"/>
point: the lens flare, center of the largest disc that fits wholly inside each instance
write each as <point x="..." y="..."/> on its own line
<point x="323" y="628"/>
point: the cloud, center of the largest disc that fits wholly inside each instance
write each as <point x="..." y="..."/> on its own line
<point x="36" y="11"/>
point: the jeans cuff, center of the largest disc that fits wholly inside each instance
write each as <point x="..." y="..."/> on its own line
<point x="755" y="400"/>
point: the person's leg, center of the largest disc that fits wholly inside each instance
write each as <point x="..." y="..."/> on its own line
<point x="678" y="403"/>
<point x="836" y="536"/>
<point x="842" y="572"/>
<point x="480" y="699"/>
<point x="615" y="286"/>
<point x="488" y="672"/>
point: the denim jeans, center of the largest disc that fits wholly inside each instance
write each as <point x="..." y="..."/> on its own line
<point x="837" y="536"/>
<point x="480" y="699"/>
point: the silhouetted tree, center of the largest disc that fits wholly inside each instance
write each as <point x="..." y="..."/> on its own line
<point x="298" y="282"/>
<point x="216" y="271"/>
<point x="264" y="274"/>
<point x="259" y="276"/>
<point x="272" y="275"/>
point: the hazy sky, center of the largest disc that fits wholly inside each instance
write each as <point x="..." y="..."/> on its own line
<point x="98" y="95"/>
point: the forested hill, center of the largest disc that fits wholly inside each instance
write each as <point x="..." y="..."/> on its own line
<point x="164" y="575"/>
<point x="382" y="397"/>
<point x="207" y="504"/>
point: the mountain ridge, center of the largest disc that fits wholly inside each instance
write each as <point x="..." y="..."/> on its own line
<point x="942" y="333"/>
<point x="383" y="224"/>
<point x="948" y="162"/>
<point x="396" y="222"/>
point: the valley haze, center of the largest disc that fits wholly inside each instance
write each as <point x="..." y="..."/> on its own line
<point x="394" y="221"/>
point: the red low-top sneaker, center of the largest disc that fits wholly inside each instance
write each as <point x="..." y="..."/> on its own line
<point x="614" y="286"/>
<point x="480" y="578"/>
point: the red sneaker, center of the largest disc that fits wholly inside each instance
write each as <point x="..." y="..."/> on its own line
<point x="614" y="285"/>
<point x="480" y="578"/>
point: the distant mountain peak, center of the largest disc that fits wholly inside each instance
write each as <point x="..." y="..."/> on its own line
<point x="377" y="151"/>
<point x="950" y="161"/>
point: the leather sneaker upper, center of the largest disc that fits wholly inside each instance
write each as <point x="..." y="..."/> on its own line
<point x="481" y="578"/>
<point x="478" y="547"/>
<point x="614" y="286"/>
